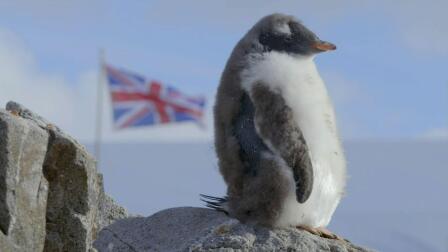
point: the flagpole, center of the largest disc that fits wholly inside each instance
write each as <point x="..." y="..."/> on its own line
<point x="99" y="110"/>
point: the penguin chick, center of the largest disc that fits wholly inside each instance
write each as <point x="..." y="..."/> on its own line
<point x="275" y="131"/>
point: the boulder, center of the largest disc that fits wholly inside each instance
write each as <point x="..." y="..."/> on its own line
<point x="23" y="186"/>
<point x="200" y="229"/>
<point x="51" y="194"/>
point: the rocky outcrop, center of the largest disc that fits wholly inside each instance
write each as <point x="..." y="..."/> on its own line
<point x="200" y="229"/>
<point x="51" y="194"/>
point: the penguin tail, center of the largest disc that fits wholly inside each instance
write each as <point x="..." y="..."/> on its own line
<point x="215" y="203"/>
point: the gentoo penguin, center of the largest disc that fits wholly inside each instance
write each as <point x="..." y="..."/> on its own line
<point x="275" y="131"/>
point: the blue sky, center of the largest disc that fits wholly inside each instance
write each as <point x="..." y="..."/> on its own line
<point x="388" y="78"/>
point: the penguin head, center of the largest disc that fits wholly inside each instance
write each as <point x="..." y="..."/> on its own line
<point x="285" y="34"/>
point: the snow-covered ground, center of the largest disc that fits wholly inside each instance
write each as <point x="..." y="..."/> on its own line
<point x="397" y="194"/>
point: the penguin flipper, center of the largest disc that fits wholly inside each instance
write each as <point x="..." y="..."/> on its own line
<point x="276" y="126"/>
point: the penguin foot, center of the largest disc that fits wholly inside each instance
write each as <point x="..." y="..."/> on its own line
<point x="328" y="234"/>
<point x="322" y="232"/>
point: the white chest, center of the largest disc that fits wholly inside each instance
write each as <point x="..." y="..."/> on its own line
<point x="304" y="92"/>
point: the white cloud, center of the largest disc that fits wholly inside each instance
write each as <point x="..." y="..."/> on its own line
<point x="71" y="106"/>
<point x="436" y="134"/>
<point x="21" y="80"/>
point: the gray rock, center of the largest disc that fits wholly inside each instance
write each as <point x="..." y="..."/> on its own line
<point x="51" y="195"/>
<point x="23" y="186"/>
<point x="200" y="229"/>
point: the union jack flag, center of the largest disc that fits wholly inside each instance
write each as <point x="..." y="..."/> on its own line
<point x="137" y="101"/>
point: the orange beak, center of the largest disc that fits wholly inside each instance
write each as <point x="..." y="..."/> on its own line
<point x="323" y="46"/>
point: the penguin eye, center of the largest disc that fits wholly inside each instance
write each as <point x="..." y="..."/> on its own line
<point x="248" y="212"/>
